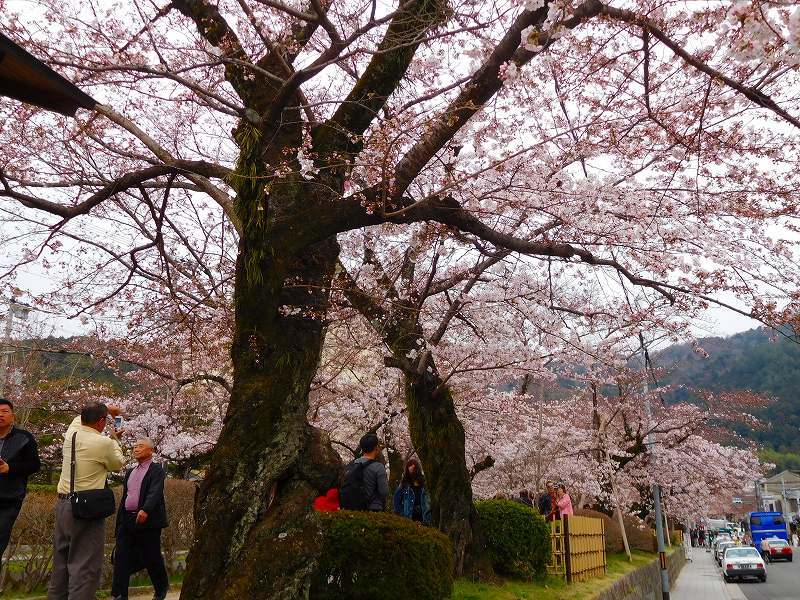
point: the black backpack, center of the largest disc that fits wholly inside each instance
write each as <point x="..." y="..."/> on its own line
<point x="352" y="494"/>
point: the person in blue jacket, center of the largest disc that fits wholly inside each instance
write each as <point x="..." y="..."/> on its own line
<point x="411" y="500"/>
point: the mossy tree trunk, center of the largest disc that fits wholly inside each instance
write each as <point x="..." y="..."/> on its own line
<point x="436" y="431"/>
<point x="269" y="463"/>
<point x="254" y="535"/>
<point x="438" y="437"/>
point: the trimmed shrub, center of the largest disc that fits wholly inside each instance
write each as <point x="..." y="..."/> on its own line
<point x="518" y="538"/>
<point x="380" y="555"/>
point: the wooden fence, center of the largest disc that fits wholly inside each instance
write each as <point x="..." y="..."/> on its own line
<point x="578" y="546"/>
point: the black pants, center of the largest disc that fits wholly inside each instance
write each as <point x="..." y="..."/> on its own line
<point x="137" y="549"/>
<point x="9" y="511"/>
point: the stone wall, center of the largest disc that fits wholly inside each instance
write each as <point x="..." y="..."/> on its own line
<point x="645" y="582"/>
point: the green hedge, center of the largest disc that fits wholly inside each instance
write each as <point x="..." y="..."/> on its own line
<point x="42" y="488"/>
<point x="517" y="536"/>
<point x="380" y="555"/>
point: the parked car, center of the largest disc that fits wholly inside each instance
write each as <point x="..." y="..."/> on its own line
<point x="776" y="549"/>
<point x="717" y="541"/>
<point x="721" y="547"/>
<point x="739" y="562"/>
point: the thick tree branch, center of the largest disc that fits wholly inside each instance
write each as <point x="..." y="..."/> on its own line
<point x="481" y="465"/>
<point x="127" y="181"/>
<point x="449" y="212"/>
<point x="381" y="77"/>
<point x="215" y="30"/>
<point x="134" y="179"/>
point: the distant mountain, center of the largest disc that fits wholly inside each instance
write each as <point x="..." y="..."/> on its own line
<point x="758" y="360"/>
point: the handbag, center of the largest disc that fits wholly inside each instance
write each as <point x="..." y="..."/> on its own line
<point x="89" y="504"/>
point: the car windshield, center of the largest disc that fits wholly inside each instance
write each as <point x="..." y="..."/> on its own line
<point x="778" y="543"/>
<point x="742" y="553"/>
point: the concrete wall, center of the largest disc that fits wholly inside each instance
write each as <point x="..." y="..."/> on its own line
<point x="644" y="583"/>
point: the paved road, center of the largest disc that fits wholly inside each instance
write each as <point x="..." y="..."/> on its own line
<point x="783" y="582"/>
<point x="701" y="579"/>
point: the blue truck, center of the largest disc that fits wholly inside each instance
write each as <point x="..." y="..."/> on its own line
<point x="767" y="525"/>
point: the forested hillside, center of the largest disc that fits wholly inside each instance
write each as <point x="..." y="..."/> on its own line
<point x="756" y="360"/>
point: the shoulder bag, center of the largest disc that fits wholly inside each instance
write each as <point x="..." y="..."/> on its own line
<point x="89" y="504"/>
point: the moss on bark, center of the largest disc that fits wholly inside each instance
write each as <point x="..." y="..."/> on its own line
<point x="438" y="437"/>
<point x="269" y="463"/>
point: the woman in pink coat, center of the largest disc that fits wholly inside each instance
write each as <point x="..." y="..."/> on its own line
<point x="564" y="501"/>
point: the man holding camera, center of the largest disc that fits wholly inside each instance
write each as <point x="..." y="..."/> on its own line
<point x="79" y="540"/>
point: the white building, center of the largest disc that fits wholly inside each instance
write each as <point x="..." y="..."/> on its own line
<point x="781" y="493"/>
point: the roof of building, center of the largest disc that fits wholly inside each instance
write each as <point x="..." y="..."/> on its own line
<point x="782" y="477"/>
<point x="24" y="77"/>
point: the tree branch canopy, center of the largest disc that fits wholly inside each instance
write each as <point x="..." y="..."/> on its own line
<point x="130" y="180"/>
<point x="212" y="26"/>
<point x="647" y="25"/>
<point x="381" y="77"/>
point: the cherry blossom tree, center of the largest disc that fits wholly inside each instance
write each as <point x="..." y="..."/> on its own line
<point x="238" y="144"/>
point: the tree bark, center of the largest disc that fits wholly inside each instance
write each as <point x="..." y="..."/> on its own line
<point x="438" y="437"/>
<point x="254" y="537"/>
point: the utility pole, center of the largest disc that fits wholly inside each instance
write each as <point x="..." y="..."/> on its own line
<point x="783" y="509"/>
<point x="21" y="312"/>
<point x="656" y="490"/>
<point x="758" y="500"/>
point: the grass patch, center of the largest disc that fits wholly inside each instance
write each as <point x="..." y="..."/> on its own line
<point x="552" y="588"/>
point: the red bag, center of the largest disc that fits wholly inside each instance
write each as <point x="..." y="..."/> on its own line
<point x="329" y="502"/>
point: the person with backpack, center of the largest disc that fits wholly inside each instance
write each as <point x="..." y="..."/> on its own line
<point x="411" y="499"/>
<point x="365" y="485"/>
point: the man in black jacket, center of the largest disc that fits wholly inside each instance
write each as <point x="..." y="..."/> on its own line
<point x="141" y="517"/>
<point x="546" y="501"/>
<point x="19" y="458"/>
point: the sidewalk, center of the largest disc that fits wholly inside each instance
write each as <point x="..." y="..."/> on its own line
<point x="700" y="579"/>
<point x="173" y="595"/>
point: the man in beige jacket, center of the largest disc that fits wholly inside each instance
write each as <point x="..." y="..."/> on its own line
<point x="78" y="544"/>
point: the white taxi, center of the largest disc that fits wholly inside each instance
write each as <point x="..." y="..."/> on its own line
<point x="739" y="562"/>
